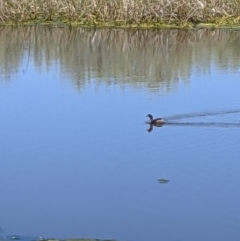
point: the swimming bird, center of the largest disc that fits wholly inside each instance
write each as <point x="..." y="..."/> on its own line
<point x="156" y="122"/>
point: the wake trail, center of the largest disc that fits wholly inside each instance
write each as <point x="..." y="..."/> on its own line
<point x="208" y="113"/>
<point x="203" y="124"/>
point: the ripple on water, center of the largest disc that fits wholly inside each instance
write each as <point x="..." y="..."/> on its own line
<point x="27" y="238"/>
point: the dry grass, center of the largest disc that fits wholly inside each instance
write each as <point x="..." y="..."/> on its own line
<point x="120" y="12"/>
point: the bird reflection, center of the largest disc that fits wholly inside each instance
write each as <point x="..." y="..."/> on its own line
<point x="153" y="125"/>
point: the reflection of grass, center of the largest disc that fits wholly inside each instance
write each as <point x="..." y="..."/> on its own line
<point x="154" y="60"/>
<point x="81" y="239"/>
<point x="17" y="237"/>
<point x="134" y="13"/>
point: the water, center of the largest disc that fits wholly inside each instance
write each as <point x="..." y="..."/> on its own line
<point x="76" y="159"/>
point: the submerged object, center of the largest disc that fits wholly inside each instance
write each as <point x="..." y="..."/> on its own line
<point x="163" y="181"/>
<point x="157" y="121"/>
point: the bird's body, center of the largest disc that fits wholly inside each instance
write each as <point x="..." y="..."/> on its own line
<point x="156" y="122"/>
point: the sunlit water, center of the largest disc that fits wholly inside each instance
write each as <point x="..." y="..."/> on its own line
<point x="76" y="159"/>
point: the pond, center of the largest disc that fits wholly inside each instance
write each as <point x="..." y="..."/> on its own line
<point x="76" y="156"/>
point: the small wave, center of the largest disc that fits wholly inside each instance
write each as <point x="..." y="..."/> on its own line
<point x="202" y="124"/>
<point x="201" y="114"/>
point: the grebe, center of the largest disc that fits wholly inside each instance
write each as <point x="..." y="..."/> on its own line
<point x="157" y="121"/>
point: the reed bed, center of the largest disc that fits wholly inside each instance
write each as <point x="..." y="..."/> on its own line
<point x="134" y="13"/>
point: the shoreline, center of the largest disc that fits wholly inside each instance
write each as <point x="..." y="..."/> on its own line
<point x="128" y="26"/>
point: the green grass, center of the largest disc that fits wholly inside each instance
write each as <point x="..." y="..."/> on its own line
<point x="121" y="13"/>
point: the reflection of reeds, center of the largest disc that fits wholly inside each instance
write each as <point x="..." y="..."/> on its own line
<point x="142" y="58"/>
<point x="119" y="12"/>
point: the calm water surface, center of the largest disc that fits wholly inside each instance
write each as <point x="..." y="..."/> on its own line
<point x="76" y="159"/>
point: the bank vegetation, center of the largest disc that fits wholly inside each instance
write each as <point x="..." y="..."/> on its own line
<point x="121" y="13"/>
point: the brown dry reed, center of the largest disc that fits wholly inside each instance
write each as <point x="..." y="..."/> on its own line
<point x="122" y="13"/>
